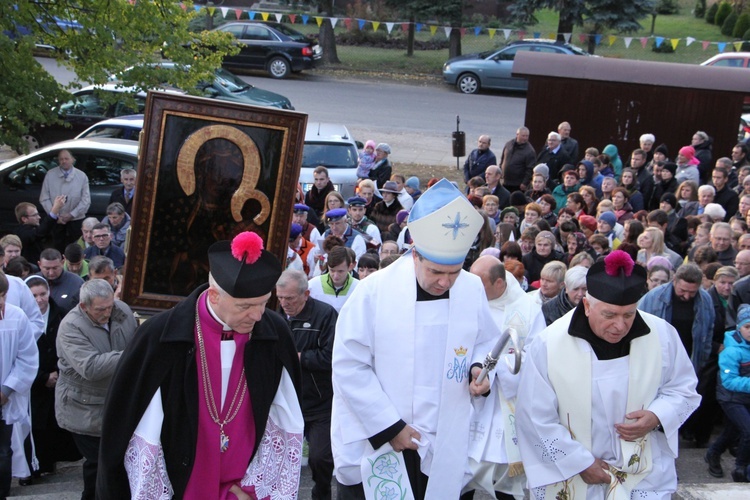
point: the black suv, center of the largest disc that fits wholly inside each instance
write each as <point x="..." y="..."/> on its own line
<point x="272" y="47"/>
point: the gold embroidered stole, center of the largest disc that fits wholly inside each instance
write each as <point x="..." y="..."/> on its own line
<point x="569" y="371"/>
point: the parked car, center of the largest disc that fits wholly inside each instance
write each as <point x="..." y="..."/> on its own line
<point x="493" y="69"/>
<point x="731" y="60"/>
<point x="124" y="127"/>
<point x="226" y="86"/>
<point x="87" y="107"/>
<point x="272" y="47"/>
<point x="332" y="146"/>
<point x="100" y="159"/>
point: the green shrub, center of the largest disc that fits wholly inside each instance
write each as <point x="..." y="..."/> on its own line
<point x="711" y="13"/>
<point x="667" y="7"/>
<point x="700" y="9"/>
<point x="722" y="13"/>
<point x="741" y="27"/>
<point x="664" y="48"/>
<point x="727" y="28"/>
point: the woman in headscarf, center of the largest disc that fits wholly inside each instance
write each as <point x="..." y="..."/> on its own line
<point x="614" y="160"/>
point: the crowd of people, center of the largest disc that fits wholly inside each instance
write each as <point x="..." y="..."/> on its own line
<point x="622" y="280"/>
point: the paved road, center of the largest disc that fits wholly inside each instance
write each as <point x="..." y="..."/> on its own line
<point x="415" y="117"/>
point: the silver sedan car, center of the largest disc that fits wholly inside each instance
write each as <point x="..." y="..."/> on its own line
<point x="493" y="69"/>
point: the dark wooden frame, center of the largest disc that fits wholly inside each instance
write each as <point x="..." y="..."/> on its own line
<point x="207" y="170"/>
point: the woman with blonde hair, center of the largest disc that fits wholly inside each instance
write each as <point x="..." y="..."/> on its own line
<point x="687" y="191"/>
<point x="589" y="197"/>
<point x="12" y="246"/>
<point x="651" y="244"/>
<point x="334" y="200"/>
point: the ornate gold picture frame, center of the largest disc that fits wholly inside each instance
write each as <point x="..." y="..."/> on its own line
<point x="207" y="171"/>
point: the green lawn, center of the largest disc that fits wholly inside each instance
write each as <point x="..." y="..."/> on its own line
<point x="678" y="26"/>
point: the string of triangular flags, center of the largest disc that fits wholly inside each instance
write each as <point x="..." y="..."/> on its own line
<point x="507" y="33"/>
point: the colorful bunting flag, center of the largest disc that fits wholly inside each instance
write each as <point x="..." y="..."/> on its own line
<point x="183" y="6"/>
<point x="224" y="11"/>
<point x="492" y="32"/>
<point x="305" y="18"/>
<point x="238" y="13"/>
<point x="705" y="45"/>
<point x="251" y="14"/>
<point x="348" y="23"/>
<point x="722" y="46"/>
<point x="264" y="16"/>
<point x="462" y="31"/>
<point x="627" y="40"/>
<point x="211" y="11"/>
<point x="318" y="20"/>
<point x="361" y="23"/>
<point x="521" y="34"/>
<point x="612" y="39"/>
<point x="293" y="18"/>
<point x="405" y="27"/>
<point x="644" y="41"/>
<point x="477" y="30"/>
<point x="334" y="20"/>
<point x="278" y="17"/>
<point x="567" y="36"/>
<point x="433" y="30"/>
<point x="659" y="41"/>
<point x="197" y="8"/>
<point x="419" y="27"/>
<point x="447" y="30"/>
<point x="506" y="33"/>
<point x="537" y="35"/>
<point x="582" y="38"/>
<point x="738" y="46"/>
<point x="375" y="25"/>
<point x="389" y="27"/>
<point x="689" y="40"/>
<point x="674" y="42"/>
<point x="598" y="39"/>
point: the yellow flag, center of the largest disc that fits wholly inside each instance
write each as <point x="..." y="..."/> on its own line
<point x="674" y="42"/>
<point x="319" y="20"/>
<point x="737" y="46"/>
<point x="612" y="40"/>
<point x="552" y="36"/>
<point x="264" y="15"/>
<point x="492" y="33"/>
<point x="433" y="30"/>
<point x="211" y="11"/>
<point x="375" y="25"/>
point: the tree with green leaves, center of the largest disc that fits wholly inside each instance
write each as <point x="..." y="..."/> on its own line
<point x="95" y="39"/>
<point x="594" y="16"/>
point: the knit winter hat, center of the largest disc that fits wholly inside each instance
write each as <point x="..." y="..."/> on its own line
<point x="609" y="218"/>
<point x="743" y="315"/>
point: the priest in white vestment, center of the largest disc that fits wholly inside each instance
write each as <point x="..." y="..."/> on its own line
<point x="494" y="456"/>
<point x="603" y="393"/>
<point x="402" y="362"/>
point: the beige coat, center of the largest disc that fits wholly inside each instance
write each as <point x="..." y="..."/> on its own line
<point x="88" y="358"/>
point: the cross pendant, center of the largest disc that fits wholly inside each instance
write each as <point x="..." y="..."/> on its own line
<point x="224" y="441"/>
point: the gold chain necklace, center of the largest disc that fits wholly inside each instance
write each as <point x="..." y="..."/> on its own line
<point x="208" y="392"/>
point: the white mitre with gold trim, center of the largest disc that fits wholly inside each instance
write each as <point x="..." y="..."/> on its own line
<point x="443" y="224"/>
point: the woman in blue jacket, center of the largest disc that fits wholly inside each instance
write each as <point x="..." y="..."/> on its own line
<point x="733" y="393"/>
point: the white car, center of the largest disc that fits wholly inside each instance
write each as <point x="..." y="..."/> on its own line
<point x="100" y="159"/>
<point x="124" y="127"/>
<point x="332" y="146"/>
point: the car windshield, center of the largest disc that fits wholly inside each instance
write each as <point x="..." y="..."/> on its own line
<point x="330" y="155"/>
<point x="293" y="34"/>
<point x="230" y="81"/>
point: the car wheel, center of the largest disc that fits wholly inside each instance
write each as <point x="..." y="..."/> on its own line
<point x="468" y="84"/>
<point x="279" y="67"/>
<point x="32" y="141"/>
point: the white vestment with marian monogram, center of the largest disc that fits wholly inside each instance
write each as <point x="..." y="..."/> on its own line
<point x="384" y="372"/>
<point x="551" y="455"/>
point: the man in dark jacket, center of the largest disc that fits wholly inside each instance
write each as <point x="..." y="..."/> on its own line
<point x="34" y="228"/>
<point x="569" y="297"/>
<point x="158" y="402"/>
<point x="313" y="324"/>
<point x="518" y="161"/>
<point x="553" y="155"/>
<point x="479" y="159"/>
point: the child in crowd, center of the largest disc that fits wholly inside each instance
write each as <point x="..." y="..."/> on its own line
<point x="733" y="394"/>
<point x="366" y="160"/>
